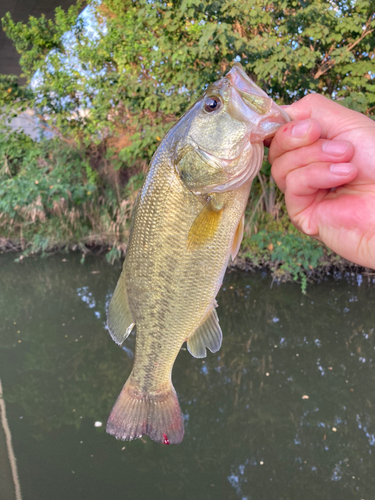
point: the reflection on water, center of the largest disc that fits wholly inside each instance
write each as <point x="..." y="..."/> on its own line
<point x="284" y="411"/>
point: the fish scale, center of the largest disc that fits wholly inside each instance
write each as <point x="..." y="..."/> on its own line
<point x="181" y="240"/>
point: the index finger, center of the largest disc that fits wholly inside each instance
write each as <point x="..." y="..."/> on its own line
<point x="333" y="117"/>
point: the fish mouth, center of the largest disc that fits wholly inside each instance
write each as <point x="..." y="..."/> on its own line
<point x="251" y="104"/>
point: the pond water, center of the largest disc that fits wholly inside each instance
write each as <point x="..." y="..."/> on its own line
<point x="285" y="410"/>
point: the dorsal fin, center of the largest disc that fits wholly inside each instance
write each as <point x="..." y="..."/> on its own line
<point x="208" y="334"/>
<point x="238" y="238"/>
<point x="120" y="321"/>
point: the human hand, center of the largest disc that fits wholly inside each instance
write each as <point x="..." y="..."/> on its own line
<point x="328" y="146"/>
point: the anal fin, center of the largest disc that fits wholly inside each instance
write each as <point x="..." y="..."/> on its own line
<point x="208" y="334"/>
<point x="238" y="238"/>
<point x="120" y="321"/>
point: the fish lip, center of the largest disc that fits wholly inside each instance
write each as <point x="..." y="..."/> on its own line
<point x="285" y="115"/>
<point x="271" y="119"/>
<point x="279" y="113"/>
<point x="270" y="123"/>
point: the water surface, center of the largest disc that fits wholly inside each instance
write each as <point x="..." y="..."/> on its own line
<point x="284" y="411"/>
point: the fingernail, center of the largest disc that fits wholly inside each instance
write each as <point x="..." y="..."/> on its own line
<point x="300" y="128"/>
<point x="341" y="168"/>
<point x="335" y="148"/>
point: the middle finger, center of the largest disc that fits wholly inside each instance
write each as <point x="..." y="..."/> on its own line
<point x="320" y="151"/>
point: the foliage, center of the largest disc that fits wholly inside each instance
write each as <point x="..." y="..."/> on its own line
<point x="133" y="67"/>
<point x="48" y="172"/>
<point x="290" y="252"/>
<point x="110" y="83"/>
<point x="49" y="197"/>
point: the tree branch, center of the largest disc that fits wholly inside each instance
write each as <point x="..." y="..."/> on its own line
<point x="326" y="64"/>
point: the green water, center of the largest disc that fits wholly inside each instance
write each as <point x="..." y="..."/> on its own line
<point x="284" y="411"/>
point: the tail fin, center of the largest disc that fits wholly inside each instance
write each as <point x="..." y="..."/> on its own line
<point x="135" y="414"/>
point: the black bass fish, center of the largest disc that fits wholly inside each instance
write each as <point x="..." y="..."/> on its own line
<point x="188" y="220"/>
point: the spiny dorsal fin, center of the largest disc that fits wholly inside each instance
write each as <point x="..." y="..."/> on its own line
<point x="238" y="238"/>
<point x="208" y="334"/>
<point x="120" y="322"/>
<point x="204" y="226"/>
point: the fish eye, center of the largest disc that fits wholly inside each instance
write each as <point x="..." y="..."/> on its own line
<point x="212" y="103"/>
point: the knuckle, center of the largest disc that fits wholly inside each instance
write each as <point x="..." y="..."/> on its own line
<point x="276" y="171"/>
<point x="313" y="99"/>
<point x="294" y="180"/>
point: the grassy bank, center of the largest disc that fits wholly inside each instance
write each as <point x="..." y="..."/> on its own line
<point x="277" y="246"/>
<point x="54" y="198"/>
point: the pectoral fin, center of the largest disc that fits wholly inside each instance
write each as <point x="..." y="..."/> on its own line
<point x="238" y="238"/>
<point x="120" y="322"/>
<point x="208" y="334"/>
<point x="205" y="225"/>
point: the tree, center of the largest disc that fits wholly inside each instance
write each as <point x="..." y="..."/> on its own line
<point x="135" y="67"/>
<point x="111" y="82"/>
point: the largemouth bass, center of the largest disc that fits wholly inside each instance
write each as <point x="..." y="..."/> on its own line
<point x="188" y="220"/>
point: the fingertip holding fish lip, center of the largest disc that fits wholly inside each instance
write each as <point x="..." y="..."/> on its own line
<point x="275" y="119"/>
